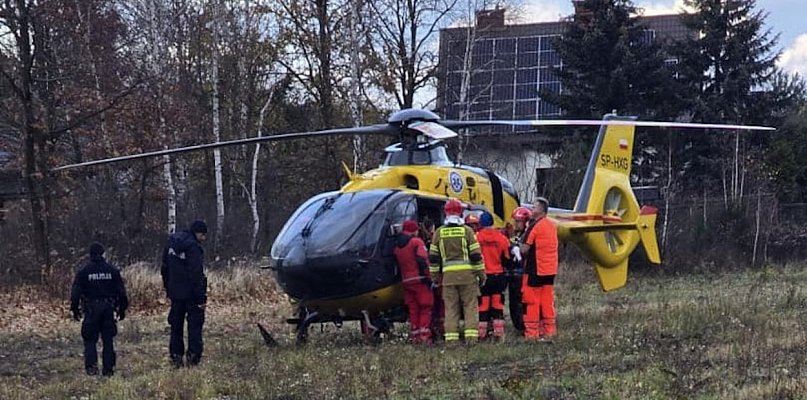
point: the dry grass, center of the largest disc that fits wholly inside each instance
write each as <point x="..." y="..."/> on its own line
<point x="239" y="282"/>
<point x="738" y="335"/>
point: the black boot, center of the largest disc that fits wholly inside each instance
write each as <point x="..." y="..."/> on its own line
<point x="108" y="372"/>
<point x="176" y="361"/>
<point x="91" y="370"/>
<point x="193" y="359"/>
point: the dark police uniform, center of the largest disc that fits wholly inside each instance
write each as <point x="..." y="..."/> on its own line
<point x="99" y="292"/>
<point x="186" y="286"/>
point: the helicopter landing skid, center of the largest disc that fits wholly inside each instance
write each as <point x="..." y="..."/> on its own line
<point x="303" y="322"/>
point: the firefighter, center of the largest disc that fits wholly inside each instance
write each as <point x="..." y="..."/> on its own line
<point x="186" y="285"/>
<point x="99" y="292"/>
<point x="457" y="262"/>
<point x="496" y="253"/>
<point x="521" y="217"/>
<point x="412" y="257"/>
<point x="540" y="252"/>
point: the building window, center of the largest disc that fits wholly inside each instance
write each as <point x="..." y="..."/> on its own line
<point x="647" y="37"/>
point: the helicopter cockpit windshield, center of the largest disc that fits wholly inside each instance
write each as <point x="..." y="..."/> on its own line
<point x="334" y="223"/>
<point x="433" y="153"/>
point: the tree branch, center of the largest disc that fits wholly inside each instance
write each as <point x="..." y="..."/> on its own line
<point x="80" y="120"/>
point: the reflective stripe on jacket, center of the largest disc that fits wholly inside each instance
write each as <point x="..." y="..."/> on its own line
<point x="454" y="248"/>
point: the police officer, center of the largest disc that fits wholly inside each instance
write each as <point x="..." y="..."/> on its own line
<point x="186" y="285"/>
<point x="99" y="292"/>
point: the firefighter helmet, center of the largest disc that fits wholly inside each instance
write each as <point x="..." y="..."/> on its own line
<point x="453" y="207"/>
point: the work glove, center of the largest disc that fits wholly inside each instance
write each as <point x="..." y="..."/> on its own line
<point x="483" y="278"/>
<point x="76" y="315"/>
<point x="121" y="314"/>
<point x="516" y="252"/>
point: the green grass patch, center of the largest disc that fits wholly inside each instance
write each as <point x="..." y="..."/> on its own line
<point x="736" y="335"/>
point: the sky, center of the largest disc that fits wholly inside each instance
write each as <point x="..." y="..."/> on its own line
<point x="785" y="17"/>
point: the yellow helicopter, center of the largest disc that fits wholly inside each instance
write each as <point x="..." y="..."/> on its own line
<point x="333" y="255"/>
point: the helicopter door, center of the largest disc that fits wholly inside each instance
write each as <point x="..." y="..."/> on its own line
<point x="430" y="216"/>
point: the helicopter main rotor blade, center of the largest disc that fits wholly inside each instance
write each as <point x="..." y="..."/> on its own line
<point x="364" y="130"/>
<point x="582" y="122"/>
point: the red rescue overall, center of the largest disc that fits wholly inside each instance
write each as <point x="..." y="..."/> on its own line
<point x="410" y="252"/>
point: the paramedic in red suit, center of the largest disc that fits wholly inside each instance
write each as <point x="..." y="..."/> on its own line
<point x="413" y="261"/>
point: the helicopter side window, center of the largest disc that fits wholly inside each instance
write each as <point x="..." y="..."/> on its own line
<point x="439" y="156"/>
<point x="421" y="157"/>
<point x="404" y="210"/>
<point x="396" y="158"/>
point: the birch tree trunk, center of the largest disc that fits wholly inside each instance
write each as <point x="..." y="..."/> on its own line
<point x="171" y="199"/>
<point x="156" y="57"/>
<point x="217" y="133"/>
<point x="667" y="193"/>
<point x="355" y="81"/>
<point x="253" y="184"/>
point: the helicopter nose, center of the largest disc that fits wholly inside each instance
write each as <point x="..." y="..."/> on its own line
<point x="295" y="258"/>
<point x="322" y="277"/>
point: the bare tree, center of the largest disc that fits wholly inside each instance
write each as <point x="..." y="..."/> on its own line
<point x="310" y="27"/>
<point x="405" y="44"/>
<point x="18" y="18"/>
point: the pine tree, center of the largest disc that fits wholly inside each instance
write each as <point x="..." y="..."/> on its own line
<point x="609" y="64"/>
<point x="728" y="69"/>
<point x="730" y="59"/>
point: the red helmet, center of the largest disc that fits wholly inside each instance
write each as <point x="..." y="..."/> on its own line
<point x="521" y="214"/>
<point x="471" y="219"/>
<point x="453" y="207"/>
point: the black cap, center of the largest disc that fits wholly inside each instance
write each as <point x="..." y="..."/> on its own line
<point x="199" y="226"/>
<point x="96" y="249"/>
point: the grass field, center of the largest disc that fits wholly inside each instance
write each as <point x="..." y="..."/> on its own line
<point x="738" y="335"/>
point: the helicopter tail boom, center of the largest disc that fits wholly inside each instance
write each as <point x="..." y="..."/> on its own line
<point x="614" y="222"/>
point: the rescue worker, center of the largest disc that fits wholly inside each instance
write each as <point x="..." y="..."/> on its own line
<point x="186" y="285"/>
<point x="99" y="292"/>
<point x="541" y="265"/>
<point x="472" y="220"/>
<point x="438" y="309"/>
<point x="457" y="262"/>
<point x="496" y="253"/>
<point x="521" y="217"/>
<point x="412" y="257"/>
